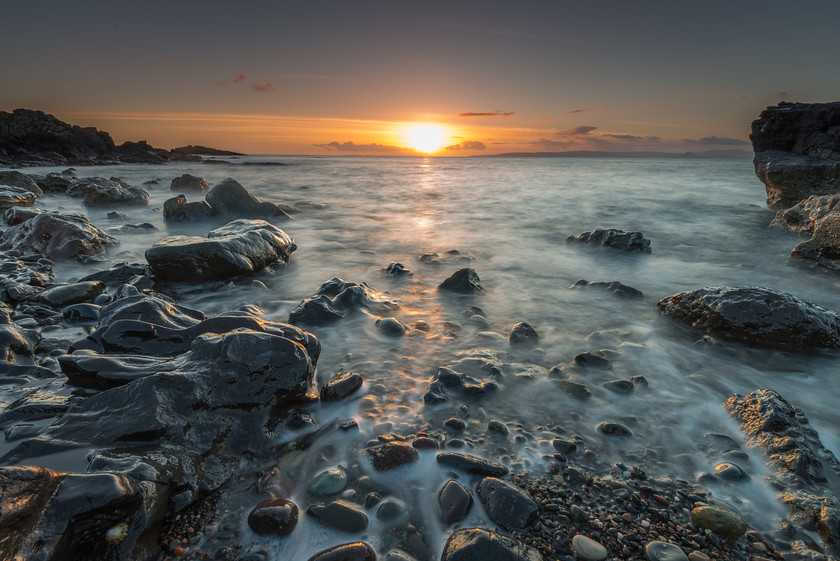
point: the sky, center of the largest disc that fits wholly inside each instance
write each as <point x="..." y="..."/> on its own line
<point x="399" y="77"/>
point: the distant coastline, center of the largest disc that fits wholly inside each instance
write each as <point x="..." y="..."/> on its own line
<point x="707" y="154"/>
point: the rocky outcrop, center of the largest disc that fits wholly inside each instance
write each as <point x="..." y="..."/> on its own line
<point x="177" y="209"/>
<point x="15" y="196"/>
<point x="57" y="236"/>
<point x="239" y="248"/>
<point x="230" y="199"/>
<point x="805" y="470"/>
<point x="824" y="246"/>
<point x="756" y="316"/>
<point x="97" y="191"/>
<point x="472" y="376"/>
<point x="631" y="242"/>
<point x="18" y="179"/>
<point x="189" y="182"/>
<point x="797" y="151"/>
<point x="803" y="217"/>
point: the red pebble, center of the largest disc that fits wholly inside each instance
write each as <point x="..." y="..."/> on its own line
<point x="178" y="551"/>
<point x="660" y="499"/>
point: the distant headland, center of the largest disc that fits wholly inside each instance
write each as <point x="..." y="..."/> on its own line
<point x="35" y="138"/>
<point x="706" y="154"/>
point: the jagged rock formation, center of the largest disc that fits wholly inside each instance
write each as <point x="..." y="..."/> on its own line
<point x="797" y="151"/>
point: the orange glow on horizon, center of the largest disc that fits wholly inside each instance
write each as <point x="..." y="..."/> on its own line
<point x="426" y="137"/>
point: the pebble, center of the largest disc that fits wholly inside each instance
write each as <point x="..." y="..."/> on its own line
<point x="358" y="551"/>
<point x="664" y="551"/>
<point x="455" y="502"/>
<point x="730" y="472"/>
<point x="720" y="521"/>
<point x="698" y="556"/>
<point x="328" y="482"/>
<point x="588" y="549"/>
<point x="274" y="516"/>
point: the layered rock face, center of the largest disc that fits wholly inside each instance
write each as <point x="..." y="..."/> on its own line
<point x="797" y="151"/>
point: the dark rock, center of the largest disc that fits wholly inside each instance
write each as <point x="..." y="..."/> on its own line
<point x="17" y="214"/>
<point x="15" y="197"/>
<point x="797" y="151"/>
<point x="730" y="472"/>
<point x="119" y="274"/>
<point x="632" y="242"/>
<point x="230" y="199"/>
<point x="397" y="270"/>
<point x="614" y="287"/>
<point x="574" y="389"/>
<point x="471" y="464"/>
<point x="142" y="228"/>
<point x="341" y="385"/>
<point x="824" y="246"/>
<point x="337" y="298"/>
<point x="56" y="182"/>
<point x="497" y="427"/>
<point x="478" y="544"/>
<point x="273" y="517"/>
<point x="391" y="327"/>
<point x="88" y="369"/>
<point x="65" y="295"/>
<point x="620" y="386"/>
<point x="177" y="209"/>
<point x="589" y="360"/>
<point x="721" y="521"/>
<point x="339" y="515"/>
<point x="397" y="555"/>
<point x="455" y="423"/>
<point x="463" y="281"/>
<point x="97" y="191"/>
<point x="523" y="335"/>
<point x="189" y="182"/>
<point x="472" y="376"/>
<point x="358" y="551"/>
<point x="57" y="236"/>
<point x="425" y="443"/>
<point x="614" y="429"/>
<point x="803" y="217"/>
<point x="390" y="511"/>
<point x="455" y="502"/>
<point x="756" y="316"/>
<point x="564" y="446"/>
<point x="391" y="455"/>
<point x="82" y="314"/>
<point x="20" y="180"/>
<point x="238" y="248"/>
<point x="506" y="505"/>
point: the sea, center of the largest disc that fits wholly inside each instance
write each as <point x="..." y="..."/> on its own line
<point x="508" y="219"/>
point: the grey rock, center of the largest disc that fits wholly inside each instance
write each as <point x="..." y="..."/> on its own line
<point x="397" y="270"/>
<point x="177" y="209"/>
<point x="478" y="544"/>
<point x="357" y="551"/>
<point x="506" y="505"/>
<point x="522" y="334"/>
<point x="328" y="482"/>
<point x="721" y="521"/>
<point x="756" y="316"/>
<point x="631" y="242"/>
<point x="574" y="389"/>
<point x="664" y="551"/>
<point x="463" y="281"/>
<point x="620" y="386"/>
<point x="15" y="197"/>
<point x="57" y="236"/>
<point x="471" y="464"/>
<point x="335" y="299"/>
<point x="391" y="327"/>
<point x="97" y="191"/>
<point x="614" y="429"/>
<point x="68" y="294"/>
<point x="86" y="314"/>
<point x="230" y="199"/>
<point x="189" y="182"/>
<point x="588" y="549"/>
<point x="730" y="472"/>
<point x="391" y="455"/>
<point x="15" y="178"/>
<point x="823" y="248"/>
<point x="804" y="216"/>
<point x="455" y="502"/>
<point x="339" y="515"/>
<point x="390" y="510"/>
<point x="341" y="386"/>
<point x="616" y="288"/>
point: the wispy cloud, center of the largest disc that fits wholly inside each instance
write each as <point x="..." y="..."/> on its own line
<point x="717" y="141"/>
<point x="239" y="79"/>
<point x="577" y="131"/>
<point x="467" y="145"/>
<point x="588" y="109"/>
<point x="497" y="113"/>
<point x="372" y="148"/>
<point x="783" y="95"/>
<point x="264" y="88"/>
<point x="631" y="138"/>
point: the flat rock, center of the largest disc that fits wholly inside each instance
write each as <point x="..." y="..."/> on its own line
<point x="615" y="288"/>
<point x="68" y="294"/>
<point x="506" y="505"/>
<point x="15" y="178"/>
<point x="478" y="544"/>
<point x="587" y="548"/>
<point x="339" y="515"/>
<point x="341" y="386"/>
<point x="97" y="191"/>
<point x="240" y="247"/>
<point x="15" y="196"/>
<point x="756" y="316"/>
<point x="631" y="242"/>
<point x="57" y="236"/>
<point x="391" y="455"/>
<point x="471" y="464"/>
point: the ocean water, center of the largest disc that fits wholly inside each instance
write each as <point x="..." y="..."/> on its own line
<point x="508" y="219"/>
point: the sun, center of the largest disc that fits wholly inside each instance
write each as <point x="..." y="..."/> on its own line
<point x="426" y="137"/>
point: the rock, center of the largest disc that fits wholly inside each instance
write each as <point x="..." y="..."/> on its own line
<point x="455" y="502"/>
<point x="756" y="316"/>
<point x="189" y="182"/>
<point x="587" y="548"/>
<point x="478" y="544"/>
<point x="328" y="482"/>
<point x="86" y="314"/>
<point x="824" y="246"/>
<point x="57" y="236"/>
<point x="177" y="209"/>
<point x="335" y="299"/>
<point x="472" y="376"/>
<point x="664" y="551"/>
<point x="397" y="270"/>
<point x="577" y="391"/>
<point x="397" y="555"/>
<point x="340" y="386"/>
<point x="358" y="551"/>
<point x="497" y="427"/>
<point x="804" y="468"/>
<point x="463" y="281"/>
<point x="730" y="472"/>
<point x="339" y="515"/>
<point x="797" y="151"/>
<point x="17" y="214"/>
<point x="391" y="327"/>
<point x="273" y="517"/>
<point x="391" y="455"/>
<point x="631" y="242"/>
<point x="589" y="360"/>
<point x="564" y="446"/>
<point x="56" y="182"/>
<point x="803" y="217"/>
<point x="15" y="196"/>
<point x="614" y="287"/>
<point x="238" y="248"/>
<point x="390" y="510"/>
<point x="614" y="429"/>
<point x="97" y="191"/>
<point x="471" y="464"/>
<point x="68" y="294"/>
<point x="87" y="369"/>
<point x="721" y="521"/>
<point x="14" y="178"/>
<point x="230" y="199"/>
<point x="522" y="334"/>
<point x="119" y="274"/>
<point x="620" y="386"/>
<point x="506" y="505"/>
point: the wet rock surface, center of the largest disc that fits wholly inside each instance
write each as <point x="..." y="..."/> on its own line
<point x="341" y="385"/>
<point x="797" y="151"/>
<point x="462" y="281"/>
<point x="189" y="182"/>
<point x="177" y="209"/>
<point x="455" y="502"/>
<point x="275" y="517"/>
<point x="97" y="191"/>
<point x="507" y="506"/>
<point x="804" y="216"/>
<point x="631" y="242"/>
<point x="756" y="316"/>
<point x="357" y="551"/>
<point x="56" y="236"/>
<point x="241" y="247"/>
<point x="616" y="288"/>
<point x="335" y="299"/>
<point x="478" y="544"/>
<point x="230" y="199"/>
<point x="391" y="455"/>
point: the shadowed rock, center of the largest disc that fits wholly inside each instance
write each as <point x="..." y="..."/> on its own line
<point x="631" y="242"/>
<point x="614" y="287"/>
<point x="463" y="281"/>
<point x="97" y="191"/>
<point x="189" y="182"/>
<point x="15" y="196"/>
<point x="231" y="199"/>
<point x="177" y="209"/>
<point x="335" y="299"/>
<point x="57" y="236"/>
<point x="478" y="544"/>
<point x="507" y="505"/>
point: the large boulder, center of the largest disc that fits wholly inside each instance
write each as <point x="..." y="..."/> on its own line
<point x="21" y="278"/>
<point x="238" y="248"/>
<point x="97" y="191"/>
<point x="804" y="469"/>
<point x="797" y="151"/>
<point x="177" y="209"/>
<point x="18" y="179"/>
<point x="57" y="236"/>
<point x="189" y="182"/>
<point x="756" y="316"/>
<point x="15" y="196"/>
<point x="230" y="199"/>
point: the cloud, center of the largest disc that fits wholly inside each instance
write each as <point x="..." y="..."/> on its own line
<point x="222" y="84"/>
<point x="783" y="95"/>
<point x="373" y="147"/>
<point x="467" y="145"/>
<point x="239" y="79"/>
<point x="632" y="138"/>
<point x="264" y="88"/>
<point x="497" y="113"/>
<point x="577" y="131"/>
<point x="589" y="109"/>
<point x="717" y="141"/>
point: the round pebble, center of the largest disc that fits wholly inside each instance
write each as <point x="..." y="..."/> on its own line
<point x="328" y="482"/>
<point x="274" y="516"/>
<point x="588" y="549"/>
<point x="720" y="521"/>
<point x="730" y="472"/>
<point x="664" y="551"/>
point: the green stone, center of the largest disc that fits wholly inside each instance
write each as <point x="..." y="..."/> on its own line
<point x="720" y="521"/>
<point x="328" y="482"/>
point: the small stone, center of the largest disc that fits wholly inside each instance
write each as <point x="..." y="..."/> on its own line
<point x="274" y="517"/>
<point x="588" y="549"/>
<point x="455" y="502"/>
<point x="339" y="515"/>
<point x="358" y="551"/>
<point x="497" y="427"/>
<point x="698" y="556"/>
<point x="392" y="327"/>
<point x="664" y="551"/>
<point x="627" y="517"/>
<point x="730" y="472"/>
<point x="577" y="514"/>
<point x="564" y="446"/>
<point x="389" y="509"/>
<point x="523" y="335"/>
<point x="454" y="423"/>
<point x="341" y="385"/>
<point x="328" y="482"/>
<point x="392" y="454"/>
<point x="720" y="521"/>
<point x="425" y="443"/>
<point x="507" y="505"/>
<point x="613" y="428"/>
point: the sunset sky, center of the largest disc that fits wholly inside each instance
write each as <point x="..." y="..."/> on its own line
<point x="354" y="77"/>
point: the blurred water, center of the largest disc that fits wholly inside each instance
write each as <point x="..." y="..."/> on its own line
<point x="707" y="223"/>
